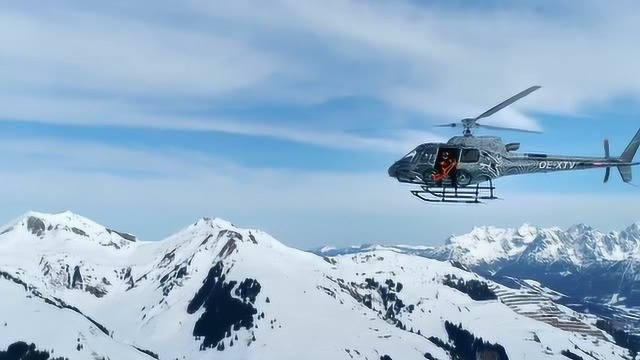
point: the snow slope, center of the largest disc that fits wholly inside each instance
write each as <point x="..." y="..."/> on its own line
<point x="599" y="272"/>
<point x="213" y="290"/>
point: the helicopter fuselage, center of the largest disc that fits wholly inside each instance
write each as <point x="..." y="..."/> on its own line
<point x="484" y="158"/>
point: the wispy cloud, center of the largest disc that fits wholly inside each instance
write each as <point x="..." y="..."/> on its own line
<point x="121" y="114"/>
<point x="454" y="62"/>
<point x="304" y="208"/>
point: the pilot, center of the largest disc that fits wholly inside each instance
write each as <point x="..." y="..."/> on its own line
<point x="447" y="164"/>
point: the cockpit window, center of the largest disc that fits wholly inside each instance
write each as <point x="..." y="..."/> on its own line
<point x="470" y="155"/>
<point x="410" y="155"/>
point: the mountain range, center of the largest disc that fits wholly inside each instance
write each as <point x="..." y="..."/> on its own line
<point x="594" y="271"/>
<point x="74" y="289"/>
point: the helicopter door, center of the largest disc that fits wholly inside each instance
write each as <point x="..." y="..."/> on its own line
<point x="453" y="154"/>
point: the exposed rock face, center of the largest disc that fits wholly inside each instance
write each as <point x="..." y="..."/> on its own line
<point x="224" y="313"/>
<point x="35" y="225"/>
<point x="77" y="279"/>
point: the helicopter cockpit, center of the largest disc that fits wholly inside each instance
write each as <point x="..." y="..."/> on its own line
<point x="433" y="161"/>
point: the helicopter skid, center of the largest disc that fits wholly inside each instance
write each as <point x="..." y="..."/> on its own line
<point x="452" y="194"/>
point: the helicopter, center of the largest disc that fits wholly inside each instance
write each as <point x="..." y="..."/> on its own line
<point x="463" y="169"/>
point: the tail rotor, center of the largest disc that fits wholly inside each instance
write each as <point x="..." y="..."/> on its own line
<point x="607" y="171"/>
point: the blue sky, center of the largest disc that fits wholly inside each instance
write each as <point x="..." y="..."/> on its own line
<point x="147" y="116"/>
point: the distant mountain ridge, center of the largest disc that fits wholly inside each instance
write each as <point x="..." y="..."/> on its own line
<point x="216" y="291"/>
<point x="591" y="267"/>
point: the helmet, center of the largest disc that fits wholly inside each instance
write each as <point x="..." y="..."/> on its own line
<point x="445" y="154"/>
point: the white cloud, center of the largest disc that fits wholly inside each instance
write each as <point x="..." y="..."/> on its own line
<point x="108" y="65"/>
<point x="88" y="52"/>
<point x="100" y="64"/>
<point x="454" y="62"/>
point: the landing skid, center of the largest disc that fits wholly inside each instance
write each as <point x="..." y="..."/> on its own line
<point x="454" y="194"/>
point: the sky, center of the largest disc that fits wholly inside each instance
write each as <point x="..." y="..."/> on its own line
<point x="285" y="115"/>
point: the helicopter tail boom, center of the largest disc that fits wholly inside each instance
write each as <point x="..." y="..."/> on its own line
<point x="627" y="157"/>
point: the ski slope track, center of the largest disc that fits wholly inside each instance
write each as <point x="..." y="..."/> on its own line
<point x="78" y="290"/>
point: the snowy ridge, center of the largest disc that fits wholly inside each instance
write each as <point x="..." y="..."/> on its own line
<point x="487" y="244"/>
<point x="580" y="244"/>
<point x="214" y="290"/>
<point x="596" y="271"/>
<point x="65" y="225"/>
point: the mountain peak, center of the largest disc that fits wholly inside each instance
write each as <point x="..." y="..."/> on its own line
<point x="579" y="228"/>
<point x="207" y="221"/>
<point x="41" y="225"/>
<point x="633" y="228"/>
<point x="212" y="226"/>
<point x="209" y="231"/>
<point x="527" y="229"/>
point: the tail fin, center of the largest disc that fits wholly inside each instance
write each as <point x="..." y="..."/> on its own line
<point x="625" y="172"/>
<point x="627" y="157"/>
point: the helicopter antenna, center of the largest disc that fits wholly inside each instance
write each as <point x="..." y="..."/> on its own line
<point x="469" y="123"/>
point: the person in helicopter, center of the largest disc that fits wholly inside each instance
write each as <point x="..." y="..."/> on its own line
<point x="447" y="164"/>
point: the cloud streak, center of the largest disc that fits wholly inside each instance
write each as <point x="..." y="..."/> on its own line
<point x="304" y="208"/>
<point x="118" y="114"/>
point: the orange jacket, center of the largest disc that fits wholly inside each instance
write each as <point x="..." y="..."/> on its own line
<point x="446" y="166"/>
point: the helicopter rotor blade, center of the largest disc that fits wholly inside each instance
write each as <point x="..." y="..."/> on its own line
<point x="507" y="102"/>
<point x="373" y="129"/>
<point x="448" y="125"/>
<point x="507" y="128"/>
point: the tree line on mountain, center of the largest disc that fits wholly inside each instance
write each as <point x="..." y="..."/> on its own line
<point x="22" y="351"/>
<point x="621" y="337"/>
<point x="467" y="346"/>
<point x="571" y="355"/>
<point x="477" y="290"/>
<point x="223" y="313"/>
<point x="391" y="302"/>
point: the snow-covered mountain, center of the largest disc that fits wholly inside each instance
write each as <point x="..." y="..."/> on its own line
<point x="72" y="288"/>
<point x="579" y="245"/>
<point x="487" y="247"/>
<point x="595" y="271"/>
<point x="580" y="261"/>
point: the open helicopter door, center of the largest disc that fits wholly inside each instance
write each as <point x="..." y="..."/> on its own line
<point x="444" y="169"/>
<point x="447" y="191"/>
